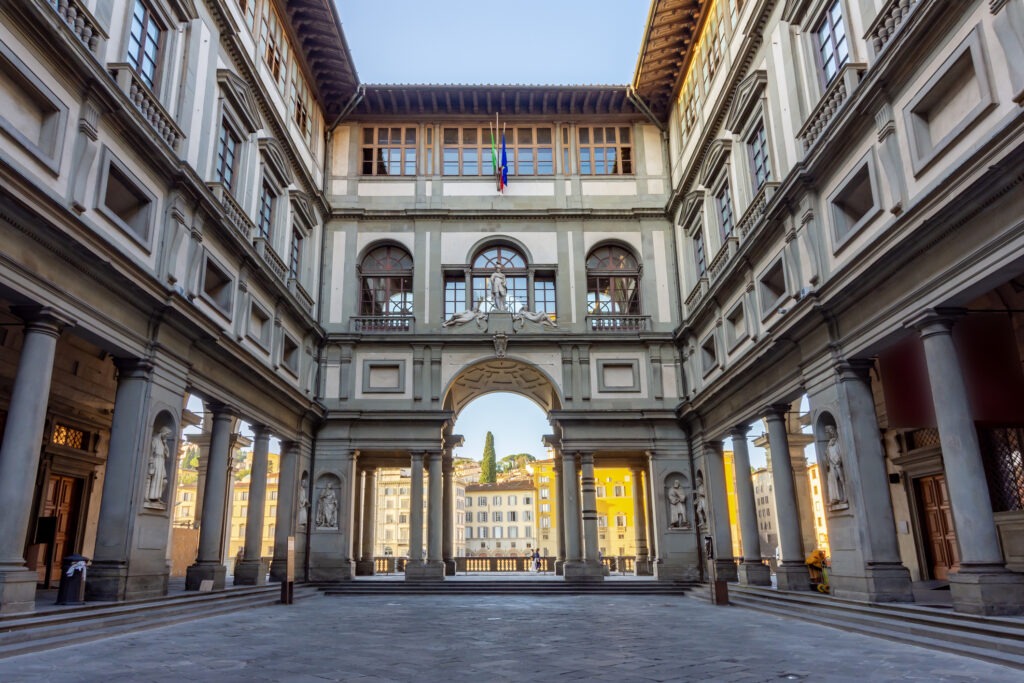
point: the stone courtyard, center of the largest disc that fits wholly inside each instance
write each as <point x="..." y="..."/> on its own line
<point x="496" y="638"/>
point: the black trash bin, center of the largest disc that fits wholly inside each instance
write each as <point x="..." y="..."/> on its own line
<point x="72" y="580"/>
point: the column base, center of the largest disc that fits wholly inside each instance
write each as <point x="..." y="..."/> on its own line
<point x="366" y="567"/>
<point x="677" y="571"/>
<point x="333" y="570"/>
<point x="279" y="569"/>
<point x="880" y="583"/>
<point x="424" y="571"/>
<point x="113" y="581"/>
<point x="991" y="592"/>
<point x="199" y="572"/>
<point x="559" y="567"/>
<point x="583" y="572"/>
<point x="251" y="573"/>
<point x="18" y="591"/>
<point x="754" y="574"/>
<point x="792" y="576"/>
<point x="725" y="569"/>
<point x="450" y="568"/>
<point x="643" y="567"/>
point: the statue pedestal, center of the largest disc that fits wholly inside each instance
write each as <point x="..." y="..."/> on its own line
<point x="793" y="576"/>
<point x="366" y="567"/>
<point x="199" y="572"/>
<point x="754" y="574"/>
<point x="584" y="572"/>
<point x="251" y="573"/>
<point x="424" y="571"/>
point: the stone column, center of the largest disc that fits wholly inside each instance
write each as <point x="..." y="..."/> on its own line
<point x="252" y="570"/>
<point x="751" y="572"/>
<point x="209" y="564"/>
<point x="792" y="573"/>
<point x="284" y="525"/>
<point x="448" y="513"/>
<point x="642" y="564"/>
<point x="435" y="514"/>
<point x="19" y="456"/>
<point x="652" y="538"/>
<point x="591" y="568"/>
<point x="869" y="569"/>
<point x="983" y="585"/>
<point x="570" y="510"/>
<point x="108" y="575"/>
<point x="721" y="529"/>
<point x="366" y="566"/>
<point x="358" y="505"/>
<point x="559" y="518"/>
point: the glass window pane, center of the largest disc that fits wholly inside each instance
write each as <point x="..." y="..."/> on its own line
<point x="544" y="136"/>
<point x="524" y="136"/>
<point x="451" y="136"/>
<point x="469" y="136"/>
<point x="410" y="136"/>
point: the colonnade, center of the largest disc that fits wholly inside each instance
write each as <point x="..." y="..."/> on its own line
<point x="577" y="550"/>
<point x="130" y="555"/>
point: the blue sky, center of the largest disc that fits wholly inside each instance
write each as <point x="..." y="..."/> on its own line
<point x="537" y="42"/>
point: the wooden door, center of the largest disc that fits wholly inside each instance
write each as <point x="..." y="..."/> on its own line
<point x="63" y="498"/>
<point x="940" y="534"/>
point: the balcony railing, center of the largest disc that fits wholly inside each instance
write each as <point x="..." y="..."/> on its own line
<point x="893" y="15"/>
<point x="147" y="104"/>
<point x="831" y="102"/>
<point x="270" y="257"/>
<point x="618" y="323"/>
<point x="305" y="300"/>
<point x="622" y="564"/>
<point x="725" y="253"/>
<point x="235" y="215"/>
<point x="697" y="293"/>
<point x="756" y="211"/>
<point x="382" y="323"/>
<point x="81" y="22"/>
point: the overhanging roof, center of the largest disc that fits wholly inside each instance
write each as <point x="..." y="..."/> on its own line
<point x="318" y="30"/>
<point x="672" y="28"/>
<point x="483" y="101"/>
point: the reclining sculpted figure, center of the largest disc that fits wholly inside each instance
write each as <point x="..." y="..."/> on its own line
<point x="540" y="318"/>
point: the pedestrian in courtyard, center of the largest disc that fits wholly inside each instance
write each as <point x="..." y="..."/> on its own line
<point x="536" y="560"/>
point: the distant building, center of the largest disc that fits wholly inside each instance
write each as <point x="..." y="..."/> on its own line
<point x="500" y="519"/>
<point x="818" y="504"/>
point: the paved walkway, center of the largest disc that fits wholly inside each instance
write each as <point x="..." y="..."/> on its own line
<point x="495" y="638"/>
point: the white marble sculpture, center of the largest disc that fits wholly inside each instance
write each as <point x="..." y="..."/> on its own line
<point x="677" y="506"/>
<point x="836" y="475"/>
<point x="156" y="472"/>
<point x="327" y="509"/>
<point x="524" y="316"/>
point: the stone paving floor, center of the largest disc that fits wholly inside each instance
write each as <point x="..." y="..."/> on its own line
<point x="496" y="638"/>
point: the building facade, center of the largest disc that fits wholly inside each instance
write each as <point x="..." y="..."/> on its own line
<point x="500" y="519"/>
<point x="791" y="197"/>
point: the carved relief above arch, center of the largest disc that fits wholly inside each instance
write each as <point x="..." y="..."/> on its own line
<point x="496" y="375"/>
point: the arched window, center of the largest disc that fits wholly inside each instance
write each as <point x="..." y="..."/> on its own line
<point x="386" y="302"/>
<point x="528" y="286"/>
<point x="613" y="288"/>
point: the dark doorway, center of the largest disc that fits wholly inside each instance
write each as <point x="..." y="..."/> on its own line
<point x="937" y="518"/>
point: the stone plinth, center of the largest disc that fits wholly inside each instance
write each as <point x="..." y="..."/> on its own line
<point x="18" y="591"/>
<point x="754" y="574"/>
<point x="251" y="573"/>
<point x="424" y="571"/>
<point x="793" y="576"/>
<point x="583" y="572"/>
<point x="202" y="571"/>
<point x="991" y="593"/>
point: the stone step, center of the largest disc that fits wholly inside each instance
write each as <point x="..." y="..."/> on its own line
<point x="997" y="640"/>
<point x="31" y="633"/>
<point x="502" y="587"/>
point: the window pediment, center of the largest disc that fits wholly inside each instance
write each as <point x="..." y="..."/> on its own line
<point x="748" y="94"/>
<point x="277" y="160"/>
<point x="794" y="11"/>
<point x="240" y="97"/>
<point x="718" y="154"/>
<point x="303" y="208"/>
<point x="693" y="204"/>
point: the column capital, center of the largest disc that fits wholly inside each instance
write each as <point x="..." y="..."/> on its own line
<point x="135" y="368"/>
<point x="934" y="320"/>
<point x="855" y="369"/>
<point x="221" y="411"/>
<point x="716" y="446"/>
<point x="260" y="431"/>
<point x="42" y="319"/>
<point x="776" y="411"/>
<point x="739" y="432"/>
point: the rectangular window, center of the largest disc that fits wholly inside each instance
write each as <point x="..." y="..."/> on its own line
<point x="512" y="516"/>
<point x="389" y="151"/>
<point x="761" y="166"/>
<point x="527" y="515"/>
<point x="454" y="295"/>
<point x="511" y="500"/>
<point x="544" y="294"/>
<point x="545" y="507"/>
<point x="265" y="214"/>
<point x="496" y="500"/>
<point x="248" y="8"/>
<point x="499" y="532"/>
<point x="496" y="516"/>
<point x="481" y="516"/>
<point x="301" y="101"/>
<point x="599" y="491"/>
<point x="227" y="150"/>
<point x="545" y="523"/>
<point x="295" y="255"/>
<point x="833" y="50"/>
<point x="698" y="254"/>
<point x="545" y="494"/>
<point x="470" y="151"/>
<point x="143" y="43"/>
<point x="274" y="45"/>
<point x="481" y="532"/>
<point x="513" y="532"/>
<point x="605" y="150"/>
<point x="724" y="201"/>
<point x="619" y="491"/>
<point x="481" y="500"/>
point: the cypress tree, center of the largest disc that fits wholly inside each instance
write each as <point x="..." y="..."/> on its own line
<point x="488" y="468"/>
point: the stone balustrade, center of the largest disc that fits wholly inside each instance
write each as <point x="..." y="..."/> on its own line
<point x="755" y="213"/>
<point x="235" y="215"/>
<point x="696" y="294"/>
<point x="80" y="22"/>
<point x="724" y="255"/>
<point x="618" y="323"/>
<point x="270" y="257"/>
<point x="382" y="323"/>
<point x="889" y="20"/>
<point x="304" y="298"/>
<point x="147" y="104"/>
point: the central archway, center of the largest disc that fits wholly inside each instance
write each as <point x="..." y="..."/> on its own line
<point x="501" y="374"/>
